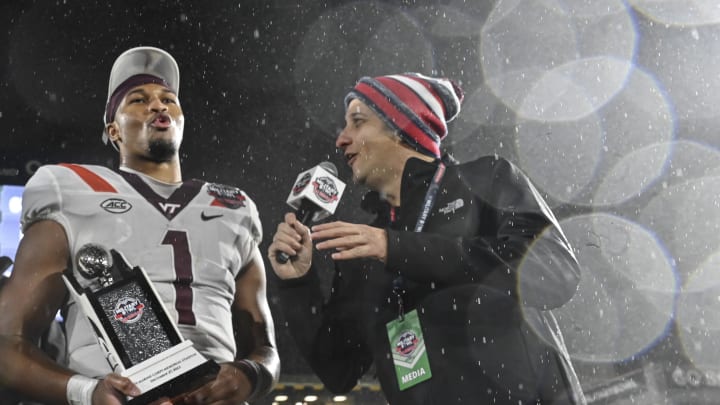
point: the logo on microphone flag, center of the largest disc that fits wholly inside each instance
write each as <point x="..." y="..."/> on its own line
<point x="319" y="187"/>
<point x="301" y="183"/>
<point x="325" y="189"/>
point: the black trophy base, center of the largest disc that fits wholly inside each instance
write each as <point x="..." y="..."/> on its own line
<point x="181" y="384"/>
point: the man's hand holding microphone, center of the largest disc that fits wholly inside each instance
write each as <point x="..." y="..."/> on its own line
<point x="293" y="239"/>
<point x="315" y="195"/>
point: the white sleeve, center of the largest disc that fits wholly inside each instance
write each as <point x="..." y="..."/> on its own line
<point x="252" y="232"/>
<point x="255" y="224"/>
<point x="42" y="199"/>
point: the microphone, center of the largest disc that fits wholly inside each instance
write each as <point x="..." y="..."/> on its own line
<point x="315" y="196"/>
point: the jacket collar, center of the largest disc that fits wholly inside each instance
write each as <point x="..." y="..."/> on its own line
<point x="416" y="178"/>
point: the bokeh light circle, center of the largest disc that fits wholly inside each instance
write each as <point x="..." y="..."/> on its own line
<point x="684" y="212"/>
<point x="565" y="65"/>
<point x="626" y="297"/>
<point x="698" y="315"/>
<point x="679" y="12"/>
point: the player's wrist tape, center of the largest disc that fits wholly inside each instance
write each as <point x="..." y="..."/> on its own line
<point x="80" y="389"/>
<point x="259" y="376"/>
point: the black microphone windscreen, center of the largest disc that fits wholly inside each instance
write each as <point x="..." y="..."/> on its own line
<point x="330" y="167"/>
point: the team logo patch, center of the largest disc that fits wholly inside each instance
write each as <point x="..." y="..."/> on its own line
<point x="301" y="184"/>
<point x="230" y="197"/>
<point x="407" y="343"/>
<point x="116" y="205"/>
<point x="325" y="189"/>
<point x="129" y="310"/>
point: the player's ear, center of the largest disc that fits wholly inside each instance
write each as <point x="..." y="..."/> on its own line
<point x="113" y="132"/>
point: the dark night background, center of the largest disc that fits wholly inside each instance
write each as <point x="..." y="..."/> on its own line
<point x="610" y="107"/>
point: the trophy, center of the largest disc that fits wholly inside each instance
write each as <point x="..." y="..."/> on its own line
<point x="140" y="340"/>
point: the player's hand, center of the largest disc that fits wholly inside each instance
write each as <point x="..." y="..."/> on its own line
<point x="292" y="238"/>
<point x="113" y="389"/>
<point x="230" y="386"/>
<point x="351" y="241"/>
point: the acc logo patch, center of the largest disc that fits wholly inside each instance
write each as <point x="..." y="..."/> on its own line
<point x="226" y="196"/>
<point x="116" y="205"/>
<point x="325" y="189"/>
<point x="407" y="343"/>
<point x="129" y="310"/>
<point x="300" y="184"/>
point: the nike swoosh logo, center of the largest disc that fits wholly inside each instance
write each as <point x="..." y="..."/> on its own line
<point x="209" y="217"/>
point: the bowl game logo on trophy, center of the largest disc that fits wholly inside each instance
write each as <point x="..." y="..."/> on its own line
<point x="133" y="327"/>
<point x="129" y="310"/>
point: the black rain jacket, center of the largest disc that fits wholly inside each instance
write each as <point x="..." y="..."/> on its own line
<point x="483" y="274"/>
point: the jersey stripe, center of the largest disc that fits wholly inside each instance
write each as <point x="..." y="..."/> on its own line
<point x="96" y="182"/>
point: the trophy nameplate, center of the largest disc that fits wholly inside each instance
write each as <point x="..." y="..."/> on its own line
<point x="140" y="340"/>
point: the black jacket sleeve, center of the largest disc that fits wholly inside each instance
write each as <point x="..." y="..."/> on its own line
<point x="520" y="248"/>
<point x="329" y="335"/>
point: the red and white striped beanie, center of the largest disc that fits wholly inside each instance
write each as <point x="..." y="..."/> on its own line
<point x="418" y="107"/>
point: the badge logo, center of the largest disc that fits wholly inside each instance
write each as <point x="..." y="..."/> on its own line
<point x="301" y="184"/>
<point x="407" y="343"/>
<point x="116" y="205"/>
<point x="129" y="310"/>
<point x="325" y="189"/>
<point x="409" y="354"/>
<point x="226" y="196"/>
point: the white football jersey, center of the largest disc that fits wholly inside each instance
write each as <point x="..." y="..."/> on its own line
<point x="192" y="245"/>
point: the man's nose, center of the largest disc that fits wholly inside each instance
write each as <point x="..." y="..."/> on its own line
<point x="157" y="105"/>
<point x="342" y="140"/>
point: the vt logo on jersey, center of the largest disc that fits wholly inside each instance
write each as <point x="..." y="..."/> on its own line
<point x="129" y="310"/>
<point x="325" y="189"/>
<point x="168" y="208"/>
<point x="226" y="196"/>
<point x="116" y="205"/>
